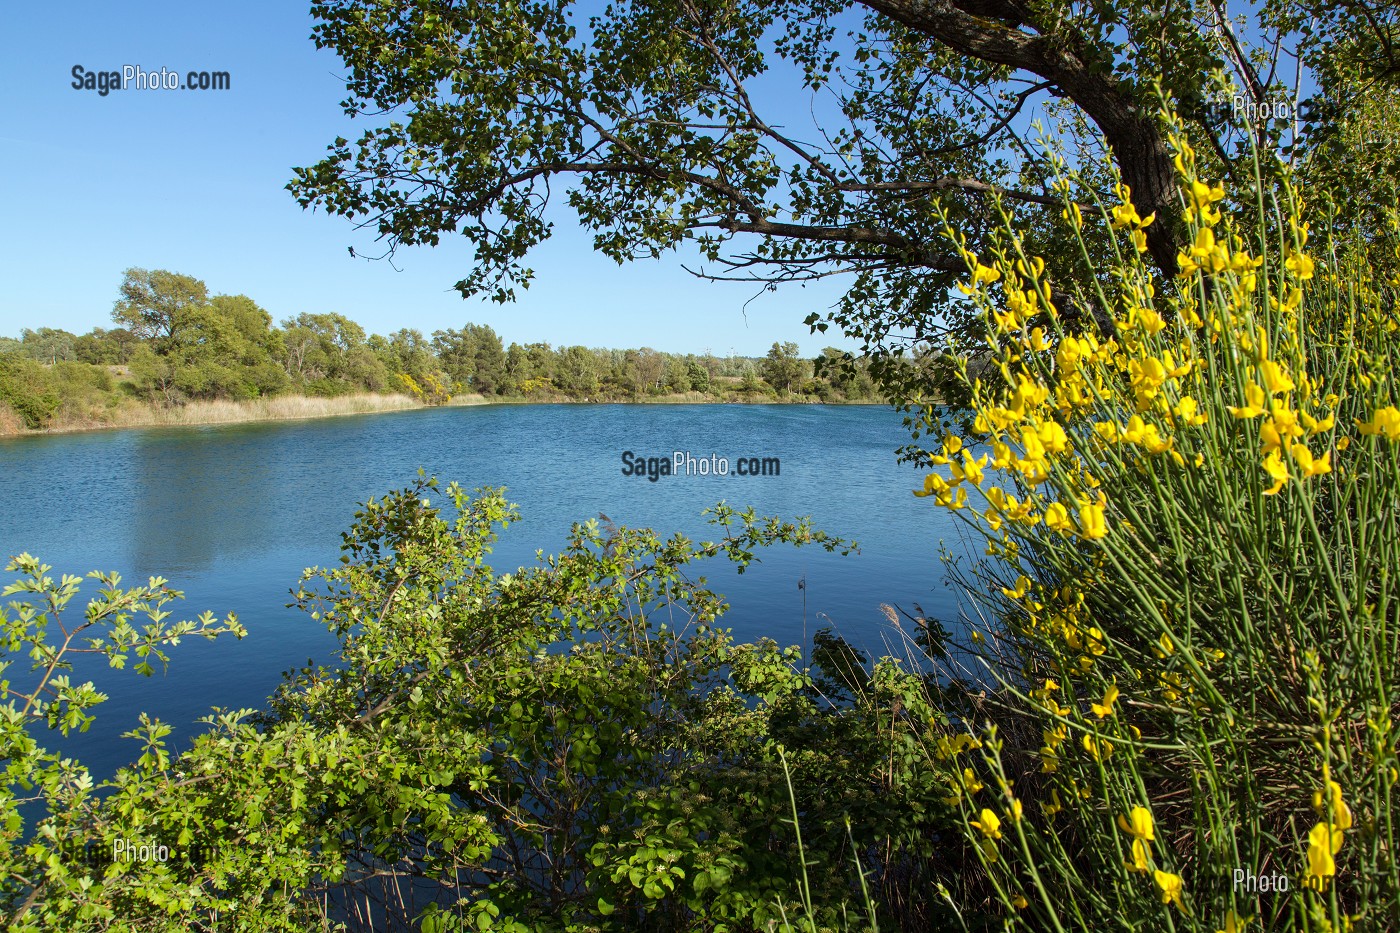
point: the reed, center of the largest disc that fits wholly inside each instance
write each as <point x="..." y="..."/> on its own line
<point x="131" y="414"/>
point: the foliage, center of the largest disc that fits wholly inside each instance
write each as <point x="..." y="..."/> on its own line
<point x="43" y="884"/>
<point x="160" y="306"/>
<point x="575" y="745"/>
<point x="105" y="347"/>
<point x="47" y="345"/>
<point x="430" y="391"/>
<point x="26" y="388"/>
<point x="672" y="126"/>
<point x="782" y="369"/>
<point x="1193" y="523"/>
<point x="473" y="356"/>
<point x="181" y="345"/>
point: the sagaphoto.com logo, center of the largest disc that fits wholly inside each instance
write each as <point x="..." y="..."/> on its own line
<point x="685" y="463"/>
<point x="134" y="77"/>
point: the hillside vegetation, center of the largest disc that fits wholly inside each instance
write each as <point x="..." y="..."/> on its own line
<point x="176" y="349"/>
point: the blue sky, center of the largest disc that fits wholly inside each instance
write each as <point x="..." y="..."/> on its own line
<point x="193" y="182"/>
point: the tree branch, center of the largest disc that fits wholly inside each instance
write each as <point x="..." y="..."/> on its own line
<point x="1133" y="134"/>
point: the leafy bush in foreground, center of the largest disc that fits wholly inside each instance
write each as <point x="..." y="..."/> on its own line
<point x="573" y="746"/>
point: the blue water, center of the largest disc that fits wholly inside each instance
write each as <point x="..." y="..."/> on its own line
<point x="232" y="514"/>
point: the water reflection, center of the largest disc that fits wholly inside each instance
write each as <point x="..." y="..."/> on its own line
<point x="198" y="499"/>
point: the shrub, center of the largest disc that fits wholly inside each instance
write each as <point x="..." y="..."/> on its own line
<point x="429" y="389"/>
<point x="1192" y="515"/>
<point x="326" y="387"/>
<point x="27" y="388"/>
<point x="46" y="882"/>
<point x="573" y="746"/>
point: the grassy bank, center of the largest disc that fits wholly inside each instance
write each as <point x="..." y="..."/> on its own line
<point x="671" y="398"/>
<point x="133" y="414"/>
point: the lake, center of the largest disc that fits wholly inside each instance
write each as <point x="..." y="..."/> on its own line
<point x="232" y="514"/>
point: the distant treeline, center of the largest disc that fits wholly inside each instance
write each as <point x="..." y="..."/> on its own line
<point x="174" y="343"/>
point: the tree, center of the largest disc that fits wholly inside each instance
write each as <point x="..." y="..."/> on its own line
<point x="154" y="377"/>
<point x="228" y="350"/>
<point x="158" y="306"/>
<point x="677" y="376"/>
<point x="532" y="363"/>
<point x="411" y="353"/>
<point x="473" y="356"/>
<point x="245" y="318"/>
<point x="1355" y="159"/>
<point x="302" y="354"/>
<point x="253" y="346"/>
<point x="567" y="746"/>
<point x="840" y="369"/>
<point x="782" y="367"/>
<point x="650" y="367"/>
<point x="48" y="344"/>
<point x="576" y="371"/>
<point x="106" y="347"/>
<point x="699" y="375"/>
<point x="646" y="122"/>
<point x="26" y="387"/>
<point x="619" y="377"/>
<point x="713" y="365"/>
<point x="749" y="383"/>
<point x="328" y="354"/>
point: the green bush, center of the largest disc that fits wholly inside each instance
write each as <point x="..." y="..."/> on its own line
<point x="1191" y="603"/>
<point x="573" y="746"/>
<point x="27" y="387"/>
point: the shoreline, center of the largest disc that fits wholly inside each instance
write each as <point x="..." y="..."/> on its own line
<point x="295" y="408"/>
<point x="197" y="414"/>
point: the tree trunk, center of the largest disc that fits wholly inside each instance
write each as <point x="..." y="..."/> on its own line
<point x="988" y="30"/>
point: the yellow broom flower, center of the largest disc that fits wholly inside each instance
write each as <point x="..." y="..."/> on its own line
<point x="1276" y="380"/>
<point x="1105" y="706"/>
<point x="1323" y="843"/>
<point x="1341" y="813"/>
<point x="1139" y="862"/>
<point x="1138" y="824"/>
<point x="1093" y="522"/>
<point x="1233" y="923"/>
<point x="989" y="823"/>
<point x="1385" y="422"/>
<point x="1309" y="465"/>
<point x="1170" y="885"/>
<point x="1254" y="403"/>
<point x="1273" y="465"/>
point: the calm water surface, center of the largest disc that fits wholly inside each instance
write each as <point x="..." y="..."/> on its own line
<point x="232" y="514"/>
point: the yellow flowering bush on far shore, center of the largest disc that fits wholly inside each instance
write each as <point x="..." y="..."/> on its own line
<point x="1189" y="493"/>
